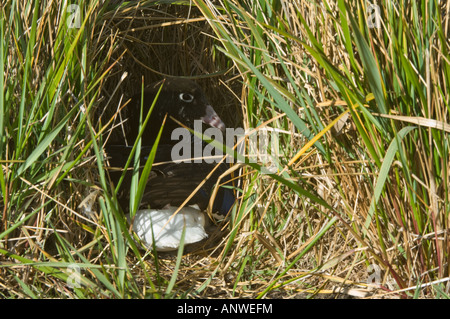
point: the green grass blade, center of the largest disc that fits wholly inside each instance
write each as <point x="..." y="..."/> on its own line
<point x="370" y="66"/>
<point x="174" y="276"/>
<point x="394" y="147"/>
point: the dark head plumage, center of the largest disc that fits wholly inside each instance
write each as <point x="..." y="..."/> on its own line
<point x="179" y="98"/>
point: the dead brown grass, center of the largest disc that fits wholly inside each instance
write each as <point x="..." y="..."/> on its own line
<point x="145" y="43"/>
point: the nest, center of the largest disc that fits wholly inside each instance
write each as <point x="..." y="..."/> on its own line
<point x="141" y="45"/>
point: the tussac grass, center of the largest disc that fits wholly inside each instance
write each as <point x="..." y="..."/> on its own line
<point x="361" y="191"/>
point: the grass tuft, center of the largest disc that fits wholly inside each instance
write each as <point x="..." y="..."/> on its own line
<point x="355" y="94"/>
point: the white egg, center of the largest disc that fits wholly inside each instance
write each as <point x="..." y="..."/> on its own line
<point x="166" y="228"/>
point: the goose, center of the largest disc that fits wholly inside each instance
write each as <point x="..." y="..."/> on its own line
<point x="171" y="182"/>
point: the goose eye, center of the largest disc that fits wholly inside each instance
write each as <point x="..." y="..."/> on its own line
<point x="186" y="97"/>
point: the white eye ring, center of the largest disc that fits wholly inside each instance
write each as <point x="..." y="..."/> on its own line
<point x="186" y="97"/>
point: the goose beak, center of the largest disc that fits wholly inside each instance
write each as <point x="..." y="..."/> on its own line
<point x="211" y="118"/>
